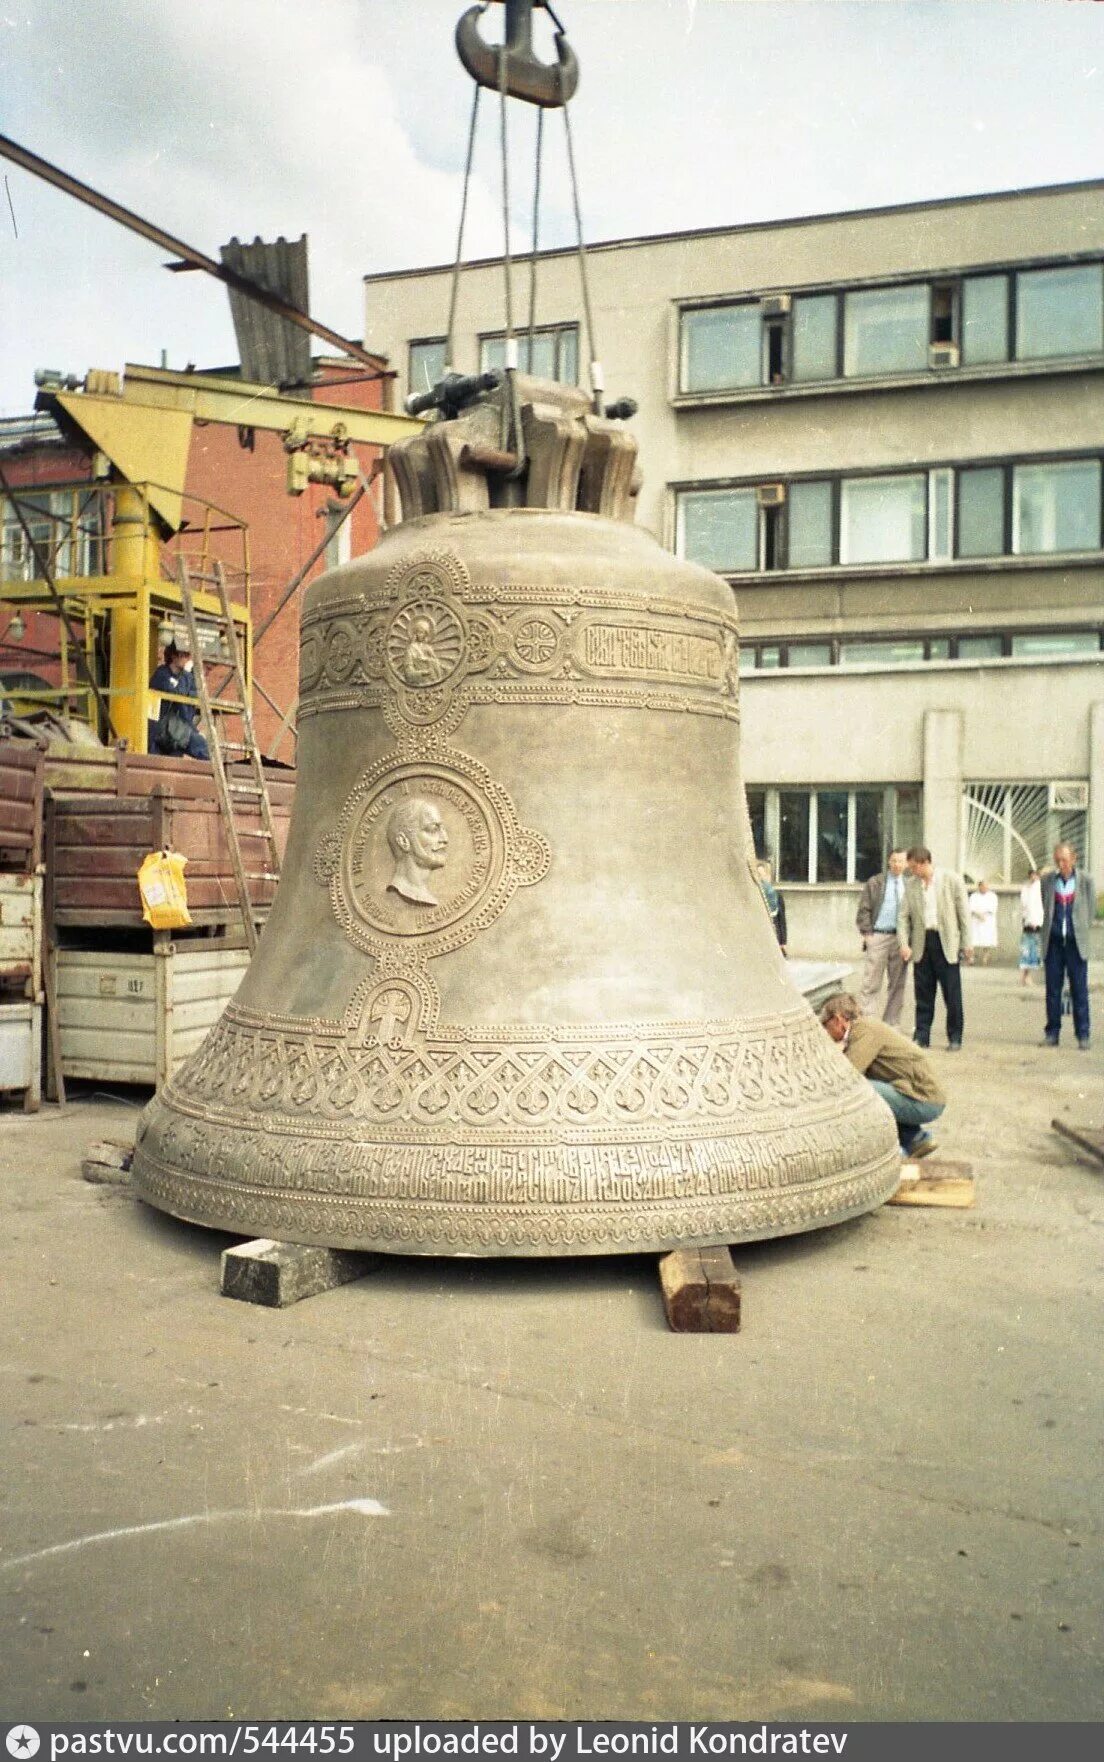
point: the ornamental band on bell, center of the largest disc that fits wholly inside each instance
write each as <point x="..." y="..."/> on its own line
<point x="440" y="642"/>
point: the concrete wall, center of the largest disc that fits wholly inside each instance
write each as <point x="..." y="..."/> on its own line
<point x="857" y="725"/>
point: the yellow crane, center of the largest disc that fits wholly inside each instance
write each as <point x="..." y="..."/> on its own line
<point x="104" y="560"/>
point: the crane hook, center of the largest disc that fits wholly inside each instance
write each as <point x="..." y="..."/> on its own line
<point x="526" y="77"/>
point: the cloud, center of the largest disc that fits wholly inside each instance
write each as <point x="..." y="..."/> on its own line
<point x="347" y="119"/>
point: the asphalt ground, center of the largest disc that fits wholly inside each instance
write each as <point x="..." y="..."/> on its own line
<point x="465" y="1489"/>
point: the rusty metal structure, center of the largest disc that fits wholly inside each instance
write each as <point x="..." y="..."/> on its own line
<point x="519" y="993"/>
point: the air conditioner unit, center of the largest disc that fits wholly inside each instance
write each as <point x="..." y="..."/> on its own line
<point x="1073" y="797"/>
<point x="943" y="355"/>
<point x="775" y="305"/>
<point x="770" y="495"/>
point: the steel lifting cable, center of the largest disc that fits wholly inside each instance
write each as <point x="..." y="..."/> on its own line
<point x="460" y="231"/>
<point x="536" y="232"/>
<point x="511" y="413"/>
<point x="511" y="407"/>
<point x="597" y="385"/>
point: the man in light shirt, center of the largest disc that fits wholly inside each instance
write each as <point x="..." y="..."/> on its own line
<point x="933" y="928"/>
<point x="876" y="919"/>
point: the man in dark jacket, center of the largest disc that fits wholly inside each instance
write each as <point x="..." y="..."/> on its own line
<point x="176" y="728"/>
<point x="876" y="919"/>
<point x="1069" y="902"/>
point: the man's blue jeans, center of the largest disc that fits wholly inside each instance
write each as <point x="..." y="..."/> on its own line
<point x="910" y="1115"/>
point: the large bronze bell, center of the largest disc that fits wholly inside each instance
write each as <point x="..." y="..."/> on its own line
<point x="519" y="993"/>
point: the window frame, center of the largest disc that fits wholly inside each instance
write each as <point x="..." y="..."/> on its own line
<point x="1006" y="638"/>
<point x="929" y="470"/>
<point x="424" y="342"/>
<point x="559" y="331"/>
<point x="950" y="278"/>
<point x="772" y="822"/>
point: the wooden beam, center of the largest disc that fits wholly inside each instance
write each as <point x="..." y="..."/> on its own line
<point x="701" y="1291"/>
<point x="1089" y="1140"/>
<point x="275" y="1274"/>
<point x="108" y="1163"/>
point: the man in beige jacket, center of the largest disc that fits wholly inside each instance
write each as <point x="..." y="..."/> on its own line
<point x="899" y="1071"/>
<point x="933" y="928"/>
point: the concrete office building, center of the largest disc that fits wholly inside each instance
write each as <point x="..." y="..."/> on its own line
<point x="886" y="430"/>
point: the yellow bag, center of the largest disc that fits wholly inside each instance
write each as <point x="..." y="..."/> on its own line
<point x="164" y="894"/>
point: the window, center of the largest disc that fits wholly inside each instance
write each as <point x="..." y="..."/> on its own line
<point x="1056" y="507"/>
<point x="1057" y="642"/>
<point x="1060" y="311"/>
<point x="554" y="354"/>
<point x="980" y="648"/>
<point x="940" y="500"/>
<point x="981" y="512"/>
<point x="721" y="348"/>
<point x="809" y="654"/>
<point x="65" y="534"/>
<point x="944" y="312"/>
<point x="794" y="821"/>
<point x="869" y="833"/>
<point x="825" y="835"/>
<point x="815" y="322"/>
<point x="920" y="327"/>
<point x="1028" y="508"/>
<point x="883" y="519"/>
<point x="881" y="653"/>
<point x="809" y="512"/>
<point x="886" y="330"/>
<point x="907" y="651"/>
<point x="757" y="814"/>
<point x="720" y="528"/>
<point x="830" y="855"/>
<point x="427" y="363"/>
<point x="984" y="320"/>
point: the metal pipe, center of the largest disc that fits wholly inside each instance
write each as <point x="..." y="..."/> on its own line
<point x="61" y="180"/>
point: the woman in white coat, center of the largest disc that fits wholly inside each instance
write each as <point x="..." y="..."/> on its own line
<point x="982" y="906"/>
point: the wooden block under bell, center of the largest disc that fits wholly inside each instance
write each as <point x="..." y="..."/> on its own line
<point x="935" y="1183"/>
<point x="701" y="1291"/>
<point x="275" y="1274"/>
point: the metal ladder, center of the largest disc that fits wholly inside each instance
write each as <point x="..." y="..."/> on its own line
<point x="230" y="790"/>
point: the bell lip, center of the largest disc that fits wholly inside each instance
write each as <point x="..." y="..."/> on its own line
<point x="534" y="1228"/>
<point x="879" y="1182"/>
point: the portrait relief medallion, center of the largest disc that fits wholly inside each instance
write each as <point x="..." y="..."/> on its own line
<point x="418" y="853"/>
<point x="427" y="853"/>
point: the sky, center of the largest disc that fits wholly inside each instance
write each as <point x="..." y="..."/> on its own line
<point x="348" y="119"/>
